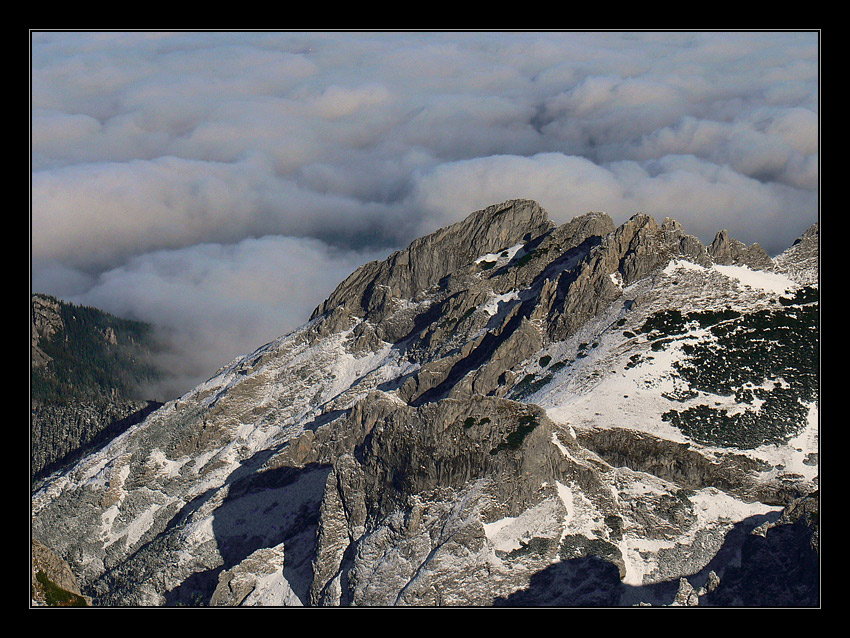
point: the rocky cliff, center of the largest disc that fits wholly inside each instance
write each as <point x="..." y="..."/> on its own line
<point x="507" y="412"/>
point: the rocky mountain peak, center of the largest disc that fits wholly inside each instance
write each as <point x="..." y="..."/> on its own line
<point x="566" y="275"/>
<point x="505" y="412"/>
<point x="428" y="259"/>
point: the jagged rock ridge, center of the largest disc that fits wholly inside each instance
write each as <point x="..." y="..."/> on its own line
<point x="450" y="428"/>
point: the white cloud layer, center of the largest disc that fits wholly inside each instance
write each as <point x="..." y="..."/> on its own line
<point x="175" y="166"/>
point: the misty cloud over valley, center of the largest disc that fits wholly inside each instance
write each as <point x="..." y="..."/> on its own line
<point x="220" y="185"/>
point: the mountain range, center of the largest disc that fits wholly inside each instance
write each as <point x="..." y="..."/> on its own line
<point x="507" y="412"/>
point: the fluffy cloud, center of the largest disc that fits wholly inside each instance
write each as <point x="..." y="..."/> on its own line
<point x="97" y="215"/>
<point x="199" y="148"/>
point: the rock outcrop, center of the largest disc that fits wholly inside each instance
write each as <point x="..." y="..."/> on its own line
<point x="51" y="581"/>
<point x="44" y="323"/>
<point x="257" y="581"/>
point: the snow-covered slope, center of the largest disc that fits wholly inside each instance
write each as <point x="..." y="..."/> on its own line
<point x="575" y="415"/>
<point x="622" y="373"/>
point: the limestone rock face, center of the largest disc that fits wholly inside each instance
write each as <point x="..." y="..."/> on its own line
<point x="506" y="412"/>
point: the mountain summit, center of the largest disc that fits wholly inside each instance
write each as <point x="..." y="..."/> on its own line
<point x="506" y="412"/>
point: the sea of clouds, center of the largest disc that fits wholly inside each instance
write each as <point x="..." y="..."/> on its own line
<point x="220" y="184"/>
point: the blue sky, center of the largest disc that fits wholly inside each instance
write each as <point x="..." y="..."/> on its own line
<point x="221" y="184"/>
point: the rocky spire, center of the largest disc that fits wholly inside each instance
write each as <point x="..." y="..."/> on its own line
<point x="728" y="251"/>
